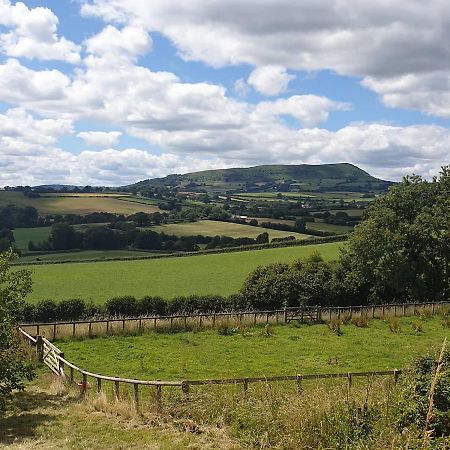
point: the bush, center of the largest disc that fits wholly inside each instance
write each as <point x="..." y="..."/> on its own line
<point x="149" y="306"/>
<point x="122" y="306"/>
<point x="72" y="309"/>
<point x="360" y="322"/>
<point x="46" y="311"/>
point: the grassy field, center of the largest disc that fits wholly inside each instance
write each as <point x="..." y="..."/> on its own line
<point x="94" y="255"/>
<point x="202" y="274"/>
<point x="76" y="205"/>
<point x="213" y="228"/>
<point x="24" y="235"/>
<point x="290" y="350"/>
<point x="322" y="226"/>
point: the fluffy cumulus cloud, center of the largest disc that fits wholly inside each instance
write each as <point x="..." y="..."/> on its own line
<point x="100" y="138"/>
<point x="33" y="34"/>
<point x="270" y="80"/>
<point x="382" y="42"/>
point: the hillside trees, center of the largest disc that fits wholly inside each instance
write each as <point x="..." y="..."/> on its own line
<point x="401" y="251"/>
<point x="14" y="365"/>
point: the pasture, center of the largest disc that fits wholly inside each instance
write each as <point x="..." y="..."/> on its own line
<point x="70" y="204"/>
<point x="221" y="273"/>
<point x="290" y="349"/>
<point x="214" y="228"/>
<point x="24" y="235"/>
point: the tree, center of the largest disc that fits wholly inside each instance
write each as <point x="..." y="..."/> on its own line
<point x="401" y="251"/>
<point x="262" y="238"/>
<point x="64" y="237"/>
<point x="15" y="367"/>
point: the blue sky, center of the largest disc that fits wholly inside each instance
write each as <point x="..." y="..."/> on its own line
<point x="111" y="92"/>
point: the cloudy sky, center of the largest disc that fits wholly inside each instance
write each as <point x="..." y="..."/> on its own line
<point x="109" y="92"/>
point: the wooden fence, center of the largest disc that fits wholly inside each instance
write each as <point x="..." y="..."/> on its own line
<point x="106" y="326"/>
<point x="51" y="356"/>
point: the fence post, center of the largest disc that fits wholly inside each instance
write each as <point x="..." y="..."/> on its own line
<point x="396" y="374"/>
<point x="185" y="321"/>
<point x="107" y="326"/>
<point x="299" y="383"/>
<point x="383" y="310"/>
<point x="84" y="385"/>
<point x="185" y="389"/>
<point x="116" y="391"/>
<point x="90" y="329"/>
<point x="136" y="397"/>
<point x="73" y="330"/>
<point x="245" y="385"/>
<point x="158" y="397"/>
<point x="339" y="313"/>
<point x="39" y="348"/>
<point x="404" y="310"/>
<point x="349" y="385"/>
<point x="285" y="314"/>
<point x="254" y="320"/>
<point x="214" y="320"/>
<point x="99" y="385"/>
<point x="54" y="331"/>
<point x="61" y="365"/>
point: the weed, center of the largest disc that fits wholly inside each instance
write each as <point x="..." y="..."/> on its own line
<point x="417" y="327"/>
<point x="394" y="324"/>
<point x="446" y="322"/>
<point x="335" y="326"/>
<point x="225" y="330"/>
<point x="360" y="322"/>
<point x="268" y="330"/>
<point x="346" y="318"/>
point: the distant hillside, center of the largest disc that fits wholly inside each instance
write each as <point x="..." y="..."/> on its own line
<point x="304" y="177"/>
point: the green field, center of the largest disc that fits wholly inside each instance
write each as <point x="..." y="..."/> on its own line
<point x="83" y="255"/>
<point x="200" y="274"/>
<point x="322" y="226"/>
<point x="83" y="204"/>
<point x="24" y="235"/>
<point x="291" y="350"/>
<point x="214" y="228"/>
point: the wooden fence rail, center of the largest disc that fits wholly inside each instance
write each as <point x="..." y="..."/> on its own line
<point x="53" y="357"/>
<point x="105" y="326"/>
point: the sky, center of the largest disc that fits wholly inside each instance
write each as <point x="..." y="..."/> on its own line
<point x="110" y="92"/>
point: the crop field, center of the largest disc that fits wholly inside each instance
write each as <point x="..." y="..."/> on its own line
<point x="214" y="228"/>
<point x="221" y="273"/>
<point x="288" y="350"/>
<point x="76" y="205"/>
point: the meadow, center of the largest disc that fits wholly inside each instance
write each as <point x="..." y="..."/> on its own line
<point x="82" y="204"/>
<point x="24" y="235"/>
<point x="287" y="350"/>
<point x="221" y="273"/>
<point x="215" y="228"/>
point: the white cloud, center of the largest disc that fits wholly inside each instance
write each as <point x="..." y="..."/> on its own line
<point x="113" y="43"/>
<point x="270" y="80"/>
<point x="382" y="42"/>
<point x="241" y="87"/>
<point x="33" y="34"/>
<point x="100" y="138"/>
<point x="29" y="152"/>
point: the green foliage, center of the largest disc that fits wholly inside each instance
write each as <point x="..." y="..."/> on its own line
<point x="413" y="399"/>
<point x="401" y="250"/>
<point x="125" y="306"/>
<point x="307" y="282"/>
<point x="14" y="365"/>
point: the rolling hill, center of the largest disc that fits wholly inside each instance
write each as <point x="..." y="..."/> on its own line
<point x="304" y="177"/>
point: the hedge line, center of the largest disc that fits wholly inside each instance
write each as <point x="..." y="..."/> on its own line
<point x="312" y="241"/>
<point x="129" y="306"/>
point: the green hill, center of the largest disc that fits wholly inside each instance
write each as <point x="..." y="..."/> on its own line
<point x="304" y="177"/>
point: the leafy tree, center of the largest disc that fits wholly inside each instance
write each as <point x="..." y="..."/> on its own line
<point x="401" y="251"/>
<point x="15" y="367"/>
<point x="262" y="238"/>
<point x="64" y="237"/>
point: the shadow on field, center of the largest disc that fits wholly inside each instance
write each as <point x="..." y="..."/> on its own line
<point x="26" y="411"/>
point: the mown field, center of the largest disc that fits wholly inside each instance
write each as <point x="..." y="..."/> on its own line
<point x="290" y="350"/>
<point x="83" y="204"/>
<point x="214" y="228"/>
<point x="200" y="274"/>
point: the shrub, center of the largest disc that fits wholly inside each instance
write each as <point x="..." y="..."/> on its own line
<point x="224" y="330"/>
<point x="335" y="326"/>
<point x="72" y="309"/>
<point x="46" y="311"/>
<point x="147" y="306"/>
<point x="394" y="324"/>
<point x="361" y="322"/>
<point x="121" y="306"/>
